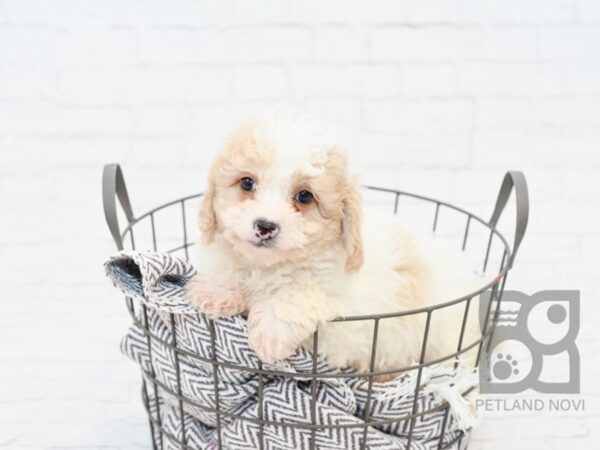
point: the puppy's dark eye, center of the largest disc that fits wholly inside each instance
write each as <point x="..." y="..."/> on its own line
<point x="247" y="184"/>
<point x="304" y="197"/>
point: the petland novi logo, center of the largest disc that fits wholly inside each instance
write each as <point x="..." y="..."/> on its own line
<point x="533" y="344"/>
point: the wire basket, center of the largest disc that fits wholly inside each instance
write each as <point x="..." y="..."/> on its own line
<point x="476" y="236"/>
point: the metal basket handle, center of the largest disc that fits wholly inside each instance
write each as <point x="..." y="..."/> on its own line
<point x="513" y="180"/>
<point x="113" y="187"/>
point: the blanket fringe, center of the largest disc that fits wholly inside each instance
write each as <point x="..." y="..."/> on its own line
<point x="462" y="407"/>
<point x="447" y="383"/>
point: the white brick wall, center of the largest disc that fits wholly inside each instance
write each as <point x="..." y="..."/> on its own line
<point x="439" y="97"/>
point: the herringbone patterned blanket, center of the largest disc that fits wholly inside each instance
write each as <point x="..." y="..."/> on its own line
<point x="156" y="280"/>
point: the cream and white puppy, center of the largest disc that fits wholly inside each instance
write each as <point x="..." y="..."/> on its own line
<point x="284" y="241"/>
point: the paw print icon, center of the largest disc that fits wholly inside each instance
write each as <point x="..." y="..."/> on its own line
<point x="505" y="367"/>
<point x="530" y="333"/>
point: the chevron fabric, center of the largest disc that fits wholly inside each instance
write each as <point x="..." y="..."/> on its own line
<point x="222" y="402"/>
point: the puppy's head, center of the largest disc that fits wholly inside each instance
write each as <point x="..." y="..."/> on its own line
<point x="279" y="191"/>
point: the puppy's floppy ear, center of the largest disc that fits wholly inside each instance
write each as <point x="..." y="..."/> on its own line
<point x="207" y="218"/>
<point x="352" y="226"/>
<point x="337" y="162"/>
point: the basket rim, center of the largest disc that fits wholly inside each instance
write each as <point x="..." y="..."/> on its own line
<point x="506" y="264"/>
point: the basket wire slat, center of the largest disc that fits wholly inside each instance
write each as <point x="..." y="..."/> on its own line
<point x="370" y="385"/>
<point x="215" y="371"/>
<point x="418" y="384"/>
<point x="261" y="400"/>
<point x="156" y="398"/>
<point x="466" y="235"/>
<point x="178" y="377"/>
<point x="114" y="189"/>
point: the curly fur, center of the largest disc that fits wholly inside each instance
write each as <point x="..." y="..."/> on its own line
<point x="325" y="262"/>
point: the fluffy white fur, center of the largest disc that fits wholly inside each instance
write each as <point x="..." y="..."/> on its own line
<point x="325" y="261"/>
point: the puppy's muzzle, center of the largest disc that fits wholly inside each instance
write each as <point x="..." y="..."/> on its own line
<point x="265" y="230"/>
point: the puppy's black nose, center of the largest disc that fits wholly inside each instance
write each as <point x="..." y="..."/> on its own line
<point x="265" y="229"/>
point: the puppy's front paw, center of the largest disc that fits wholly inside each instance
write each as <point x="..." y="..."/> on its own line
<point x="214" y="301"/>
<point x="272" y="338"/>
<point x="268" y="348"/>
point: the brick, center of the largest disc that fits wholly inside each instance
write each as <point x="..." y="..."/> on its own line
<point x="212" y="122"/>
<point x="336" y="110"/>
<point x="97" y="46"/>
<point x="500" y="148"/>
<point x="340" y="43"/>
<point x="18" y="118"/>
<point x="162" y="119"/>
<point x="27" y="45"/>
<point x="111" y="85"/>
<point x="588" y="11"/>
<point x="583" y="78"/>
<point x="570" y="42"/>
<point x="511" y="43"/>
<point x="429" y="181"/>
<point x="581" y="186"/>
<point x="260" y="81"/>
<point x="557" y="11"/>
<point x="436" y="11"/>
<point x="60" y="13"/>
<point x="382" y="11"/>
<point x="516" y="442"/>
<point x="560" y="247"/>
<point x="526" y="78"/>
<point x="323" y="79"/>
<point x="28" y="192"/>
<point x="127" y="85"/>
<point x="378" y="11"/>
<point x="58" y="151"/>
<point x="503" y="113"/>
<point x="419" y="115"/>
<point x="169" y="45"/>
<point x="167" y="153"/>
<point x="429" y="79"/>
<point x="567" y="111"/>
<point x="28" y="82"/>
<point x="180" y="13"/>
<point x="566" y="147"/>
<point x="254" y="44"/>
<point x="115" y="12"/>
<point x="97" y="121"/>
<point x="425" y="43"/>
<point x="264" y="11"/>
<point x="334" y="11"/>
<point x="504" y="12"/>
<point x="547" y="428"/>
<point x="379" y="80"/>
<point x="431" y="150"/>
